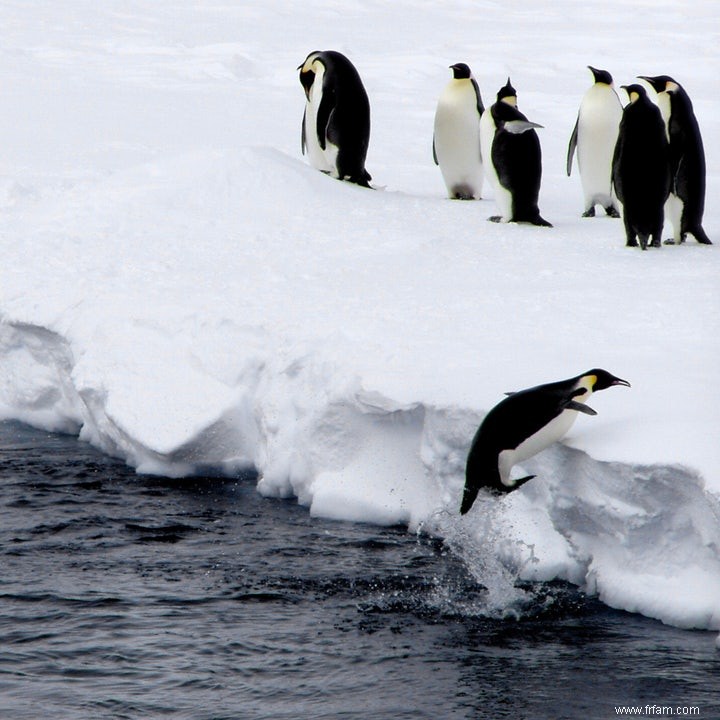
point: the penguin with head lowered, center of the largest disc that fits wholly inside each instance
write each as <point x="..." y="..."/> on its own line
<point x="336" y="121"/>
<point x="522" y="425"/>
<point x="641" y="169"/>
<point x="456" y="136"/>
<point x="512" y="159"/>
<point x="687" y="159"/>
<point x="594" y="137"/>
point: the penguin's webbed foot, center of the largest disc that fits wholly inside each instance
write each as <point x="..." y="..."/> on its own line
<point x="496" y="219"/>
<point x="611" y="211"/>
<point x="462" y="191"/>
<point x="521" y="481"/>
<point x="589" y="212"/>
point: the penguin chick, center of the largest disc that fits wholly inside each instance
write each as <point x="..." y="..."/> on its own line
<point x="456" y="135"/>
<point x="522" y="425"/>
<point x="594" y="137"/>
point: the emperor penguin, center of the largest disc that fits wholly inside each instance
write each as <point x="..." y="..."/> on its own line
<point x="512" y="159"/>
<point x="456" y="136"/>
<point x="641" y="168"/>
<point x="686" y="203"/>
<point x="522" y="425"/>
<point x="594" y="137"/>
<point x="336" y="121"/>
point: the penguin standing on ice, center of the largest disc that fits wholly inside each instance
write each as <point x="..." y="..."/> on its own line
<point x="594" y="136"/>
<point x="456" y="137"/>
<point x="522" y="425"/>
<point x="512" y="159"/>
<point x="641" y="168"/>
<point x="336" y="121"/>
<point x="686" y="203"/>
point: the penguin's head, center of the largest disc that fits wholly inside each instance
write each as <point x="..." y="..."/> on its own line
<point x="661" y="83"/>
<point x="507" y="94"/>
<point x="460" y="71"/>
<point x="601" y="76"/>
<point x="307" y="71"/>
<point x="635" y="92"/>
<point x="598" y="379"/>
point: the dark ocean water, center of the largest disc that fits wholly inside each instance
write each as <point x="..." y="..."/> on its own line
<point x="135" y="597"/>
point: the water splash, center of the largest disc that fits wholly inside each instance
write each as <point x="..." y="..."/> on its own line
<point x="485" y="543"/>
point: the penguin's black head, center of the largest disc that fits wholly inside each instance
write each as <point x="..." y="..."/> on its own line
<point x="460" y="71"/>
<point x="635" y="91"/>
<point x="660" y="83"/>
<point x="307" y="74"/>
<point x="601" y="76"/>
<point x="507" y="93"/>
<point x="307" y="78"/>
<point x="601" y="379"/>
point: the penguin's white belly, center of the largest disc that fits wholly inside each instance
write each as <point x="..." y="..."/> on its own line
<point x="598" y="125"/>
<point x="673" y="205"/>
<point x="595" y="154"/>
<point x="663" y="101"/>
<point x="457" y="141"/>
<point x="503" y="197"/>
<point x="318" y="157"/>
<point x="673" y="212"/>
<point x="543" y="438"/>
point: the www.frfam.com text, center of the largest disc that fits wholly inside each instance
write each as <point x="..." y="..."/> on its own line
<point x="658" y="710"/>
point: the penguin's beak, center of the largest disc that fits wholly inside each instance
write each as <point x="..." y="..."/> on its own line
<point x="619" y="381"/>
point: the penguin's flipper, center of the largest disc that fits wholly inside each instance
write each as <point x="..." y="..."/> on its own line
<point x="517" y="127"/>
<point x="434" y="153"/>
<point x="580" y="407"/>
<point x="327" y="105"/>
<point x="571" y="147"/>
<point x="478" y="98"/>
<point x="302" y="134"/>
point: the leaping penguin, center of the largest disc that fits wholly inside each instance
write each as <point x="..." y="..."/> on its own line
<point x="522" y="425"/>
<point x="687" y="159"/>
<point x="456" y="136"/>
<point x="594" y="136"/>
<point x="512" y="159"/>
<point x="641" y="169"/>
<point x="336" y="121"/>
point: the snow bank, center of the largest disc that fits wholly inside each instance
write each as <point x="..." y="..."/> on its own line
<point x="182" y="290"/>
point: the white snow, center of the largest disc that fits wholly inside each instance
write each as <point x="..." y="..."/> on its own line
<point x="180" y="288"/>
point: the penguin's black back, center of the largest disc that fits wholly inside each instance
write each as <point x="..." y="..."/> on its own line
<point x="507" y="425"/>
<point x="687" y="160"/>
<point x="641" y="166"/>
<point x="346" y="117"/>
<point x="517" y="159"/>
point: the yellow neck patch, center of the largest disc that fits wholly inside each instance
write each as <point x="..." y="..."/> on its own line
<point x="588" y="382"/>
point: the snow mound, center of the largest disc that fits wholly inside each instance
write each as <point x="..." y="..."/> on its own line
<point x="179" y="288"/>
